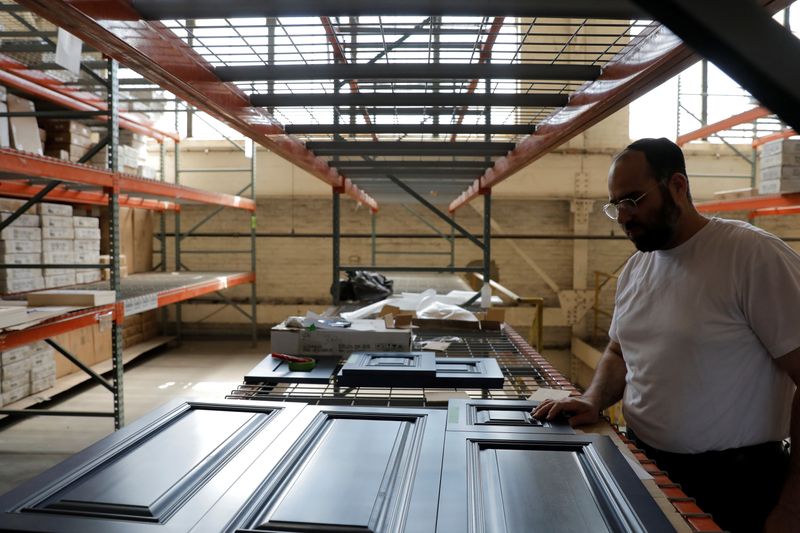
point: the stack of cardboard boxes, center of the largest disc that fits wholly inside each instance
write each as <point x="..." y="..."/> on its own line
<point x="139" y="328"/>
<point x="52" y="236"/>
<point x="26" y="370"/>
<point x="779" y="163"/>
<point x="66" y="139"/>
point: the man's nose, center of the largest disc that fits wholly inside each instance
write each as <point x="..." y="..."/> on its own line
<point x="623" y="216"/>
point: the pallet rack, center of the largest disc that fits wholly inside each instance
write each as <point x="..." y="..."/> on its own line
<point x="40" y="178"/>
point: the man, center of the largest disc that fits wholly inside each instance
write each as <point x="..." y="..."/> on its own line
<point x="704" y="349"/>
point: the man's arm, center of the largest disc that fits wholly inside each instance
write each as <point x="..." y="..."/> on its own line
<point x="605" y="390"/>
<point x="786" y="515"/>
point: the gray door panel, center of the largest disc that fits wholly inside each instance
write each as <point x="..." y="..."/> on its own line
<point x="515" y="483"/>
<point x="419" y="369"/>
<point x="272" y="370"/>
<point x="469" y="372"/>
<point x="342" y="469"/>
<point x="507" y="416"/>
<point x="161" y="473"/>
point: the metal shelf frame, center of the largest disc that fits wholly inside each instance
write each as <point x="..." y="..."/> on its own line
<point x="40" y="178"/>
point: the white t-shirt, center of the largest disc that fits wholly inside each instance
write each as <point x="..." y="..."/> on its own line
<point x="699" y="326"/>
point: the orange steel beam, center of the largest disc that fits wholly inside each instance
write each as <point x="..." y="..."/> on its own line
<point x="23" y="189"/>
<point x="36" y="166"/>
<point x="45" y="87"/>
<point x="56" y="326"/>
<point x="339" y="54"/>
<point x="774" y="211"/>
<point x="485" y="55"/>
<point x="748" y="116"/>
<point x="115" y="28"/>
<point x="785" y="134"/>
<point x="185" y="293"/>
<point x="752" y="203"/>
<point x="652" y="57"/>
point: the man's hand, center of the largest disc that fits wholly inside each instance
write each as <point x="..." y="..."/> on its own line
<point x="582" y="410"/>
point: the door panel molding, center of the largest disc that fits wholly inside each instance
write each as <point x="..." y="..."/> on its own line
<point x="507" y="416"/>
<point x="164" y="471"/>
<point x="505" y="482"/>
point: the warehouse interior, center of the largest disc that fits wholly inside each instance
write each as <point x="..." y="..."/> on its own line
<point x="201" y="171"/>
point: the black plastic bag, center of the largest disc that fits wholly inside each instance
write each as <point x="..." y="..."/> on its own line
<point x="364" y="286"/>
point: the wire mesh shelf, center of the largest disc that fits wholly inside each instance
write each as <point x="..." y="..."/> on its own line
<point x="525" y="371"/>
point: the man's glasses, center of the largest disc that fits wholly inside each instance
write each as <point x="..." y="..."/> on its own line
<point x="612" y="209"/>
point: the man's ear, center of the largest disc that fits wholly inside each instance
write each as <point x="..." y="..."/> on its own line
<point x="681" y="184"/>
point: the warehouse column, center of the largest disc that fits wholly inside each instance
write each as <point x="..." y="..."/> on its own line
<point x="112" y="101"/>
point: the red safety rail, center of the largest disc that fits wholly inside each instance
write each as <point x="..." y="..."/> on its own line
<point x="748" y="116"/>
<point x="36" y="166"/>
<point x="22" y="189"/>
<point x="55" y="326"/>
<point x="198" y="289"/>
<point x="751" y="203"/>
<point x="45" y="87"/>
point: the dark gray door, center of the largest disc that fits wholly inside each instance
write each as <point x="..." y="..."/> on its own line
<point x="469" y="372"/>
<point x="506" y="416"/>
<point x="272" y="370"/>
<point x="162" y="472"/>
<point x="515" y="483"/>
<point x="342" y="469"/>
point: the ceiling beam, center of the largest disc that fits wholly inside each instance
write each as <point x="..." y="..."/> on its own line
<point x="433" y="129"/>
<point x="199" y="9"/>
<point x="765" y="64"/>
<point x="440" y="173"/>
<point x="408" y="148"/>
<point x="408" y="71"/>
<point x="653" y="56"/>
<point x="156" y="53"/>
<point x="411" y="164"/>
<point x="408" y="111"/>
<point x="701" y="133"/>
<point x="408" y="99"/>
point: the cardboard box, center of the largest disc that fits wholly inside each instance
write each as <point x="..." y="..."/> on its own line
<point x="16" y="382"/>
<point x="780" y="173"/>
<point x="10" y="286"/>
<point x="43" y="383"/>
<point x="70" y="126"/>
<point x="87" y="258"/>
<point x="70" y="152"/>
<point x="58" y="245"/>
<point x="60" y="139"/>
<point x="24" y="130"/>
<point x="784" y="146"/>
<point x="89" y="247"/>
<point x="62" y="280"/>
<point x="17" y="394"/>
<point x="18" y="370"/>
<point x="53" y="221"/>
<point x="18" y="274"/>
<point x="88" y="277"/>
<point x="85" y="234"/>
<point x="779" y="186"/>
<point x="26" y="221"/>
<point x="86" y="222"/>
<point x="61" y="233"/>
<point x="58" y="257"/>
<point x="17" y="233"/>
<point x="59" y="210"/>
<point x="21" y="247"/>
<point x="17" y="354"/>
<point x="361" y="336"/>
<point x="143" y="229"/>
<point x="58" y="272"/>
<point x="81" y="298"/>
<point x="21" y="259"/>
<point x="779" y="160"/>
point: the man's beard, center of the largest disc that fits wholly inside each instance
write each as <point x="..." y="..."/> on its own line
<point x="660" y="233"/>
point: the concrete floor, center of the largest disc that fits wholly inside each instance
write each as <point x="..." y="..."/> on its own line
<point x="205" y="370"/>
